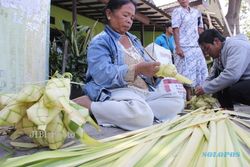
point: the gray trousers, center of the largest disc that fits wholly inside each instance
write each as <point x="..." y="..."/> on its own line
<point x="132" y="108"/>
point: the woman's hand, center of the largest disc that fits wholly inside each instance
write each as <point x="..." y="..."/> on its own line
<point x="147" y="68"/>
<point x="179" y="51"/>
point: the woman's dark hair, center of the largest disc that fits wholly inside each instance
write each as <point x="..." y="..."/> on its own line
<point x="168" y="24"/>
<point x="117" y="4"/>
<point x="208" y="36"/>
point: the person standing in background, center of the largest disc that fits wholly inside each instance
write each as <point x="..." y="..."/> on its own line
<point x="189" y="60"/>
<point x="166" y="39"/>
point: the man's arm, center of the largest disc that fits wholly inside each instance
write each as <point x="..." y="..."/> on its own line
<point x="234" y="68"/>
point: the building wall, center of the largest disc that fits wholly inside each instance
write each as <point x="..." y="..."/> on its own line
<point x="61" y="14"/>
<point x="24" y="43"/>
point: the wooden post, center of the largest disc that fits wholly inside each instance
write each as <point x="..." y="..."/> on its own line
<point x="74" y="14"/>
<point x="210" y="25"/>
<point x="65" y="55"/>
<point x="142" y="34"/>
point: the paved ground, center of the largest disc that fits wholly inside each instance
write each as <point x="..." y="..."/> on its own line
<point x="105" y="132"/>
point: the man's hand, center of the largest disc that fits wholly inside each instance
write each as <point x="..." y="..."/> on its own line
<point x="199" y="90"/>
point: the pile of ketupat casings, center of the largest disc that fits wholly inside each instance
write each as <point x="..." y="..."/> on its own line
<point x="203" y="137"/>
<point x="45" y="113"/>
<point x="205" y="100"/>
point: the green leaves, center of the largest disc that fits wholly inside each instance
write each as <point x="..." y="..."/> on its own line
<point x="76" y="56"/>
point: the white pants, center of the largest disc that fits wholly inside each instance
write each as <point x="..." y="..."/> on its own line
<point x="131" y="108"/>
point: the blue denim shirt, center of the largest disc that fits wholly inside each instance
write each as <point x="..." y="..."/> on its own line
<point x="106" y="67"/>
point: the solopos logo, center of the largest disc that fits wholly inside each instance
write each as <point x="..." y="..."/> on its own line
<point x="220" y="154"/>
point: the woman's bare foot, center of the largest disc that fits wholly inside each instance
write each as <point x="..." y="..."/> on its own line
<point x="83" y="101"/>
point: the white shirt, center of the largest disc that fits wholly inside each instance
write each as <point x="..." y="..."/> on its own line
<point x="188" y="22"/>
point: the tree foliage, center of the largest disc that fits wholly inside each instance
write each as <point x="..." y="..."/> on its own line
<point x="244" y="18"/>
<point x="73" y="59"/>
<point x="238" y="17"/>
<point x="233" y="16"/>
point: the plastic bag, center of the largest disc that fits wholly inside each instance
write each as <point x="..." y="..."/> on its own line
<point x="170" y="86"/>
<point x="161" y="54"/>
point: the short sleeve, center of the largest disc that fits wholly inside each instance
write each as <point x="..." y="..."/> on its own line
<point x="176" y="19"/>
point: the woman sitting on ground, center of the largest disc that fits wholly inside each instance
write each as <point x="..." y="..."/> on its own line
<point x="121" y="78"/>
